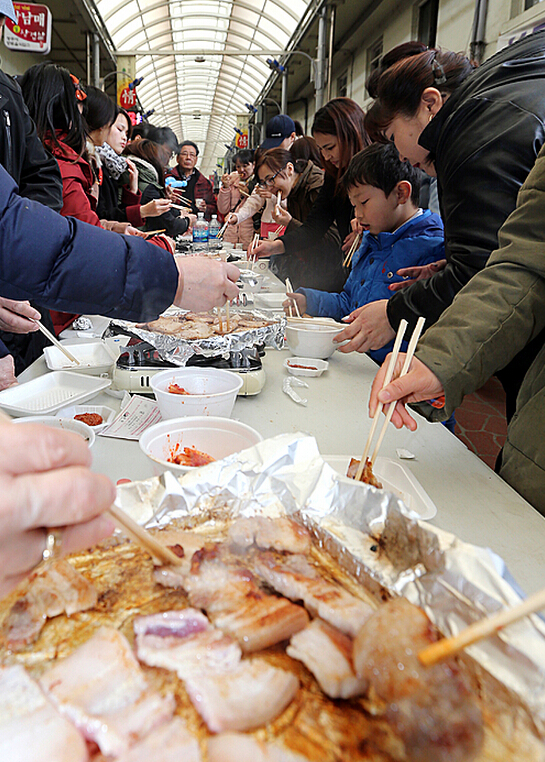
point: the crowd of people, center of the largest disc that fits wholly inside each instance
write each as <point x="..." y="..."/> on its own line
<point x="90" y="207"/>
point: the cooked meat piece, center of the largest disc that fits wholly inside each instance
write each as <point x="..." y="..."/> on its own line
<point x="275" y="534"/>
<point x="238" y="747"/>
<point x="430" y="707"/>
<point x="102" y="690"/>
<point x="367" y="476"/>
<point x="247" y="697"/>
<point x="298" y="580"/>
<point x="31" y="729"/>
<point x="327" y="653"/>
<point x="57" y="589"/>
<point x="170" y="742"/>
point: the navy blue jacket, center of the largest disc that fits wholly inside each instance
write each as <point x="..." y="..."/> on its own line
<point x="418" y="242"/>
<point x="64" y="264"/>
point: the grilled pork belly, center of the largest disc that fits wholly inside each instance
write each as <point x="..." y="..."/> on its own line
<point x="170" y="742"/>
<point x="327" y="653"/>
<point x="236" y="605"/>
<point x="237" y="747"/>
<point x="430" y="707"/>
<point x="184" y="642"/>
<point x="30" y="727"/>
<point x="294" y="577"/>
<point x="246" y="697"/>
<point x="283" y="534"/>
<point x="55" y="590"/>
<point x="102" y="690"/>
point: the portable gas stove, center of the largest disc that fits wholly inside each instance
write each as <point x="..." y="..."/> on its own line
<point x="140" y="361"/>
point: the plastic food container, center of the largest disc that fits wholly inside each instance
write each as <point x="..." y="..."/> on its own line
<point x="95" y="358"/>
<point x="214" y="436"/>
<point x="307" y="340"/>
<point x="107" y="413"/>
<point x="66" y="424"/>
<point x="211" y="391"/>
<point x="47" y="394"/>
<point x="396" y="478"/>
<point x="305" y="366"/>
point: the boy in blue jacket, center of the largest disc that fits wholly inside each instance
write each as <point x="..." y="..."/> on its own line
<point x="396" y="233"/>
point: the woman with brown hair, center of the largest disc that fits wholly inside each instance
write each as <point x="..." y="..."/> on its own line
<point x="151" y="160"/>
<point x="339" y="131"/>
<point x="299" y="183"/>
<point x="478" y="130"/>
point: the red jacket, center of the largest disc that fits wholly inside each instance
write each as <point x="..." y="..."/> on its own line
<point x="77" y="181"/>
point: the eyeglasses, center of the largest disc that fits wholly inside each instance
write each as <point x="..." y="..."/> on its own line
<point x="188" y="155"/>
<point x="81" y="95"/>
<point x="268" y="181"/>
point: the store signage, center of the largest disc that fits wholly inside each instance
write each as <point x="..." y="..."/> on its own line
<point x="242" y="131"/>
<point x="505" y="40"/>
<point x="126" y="73"/>
<point x="32" y="31"/>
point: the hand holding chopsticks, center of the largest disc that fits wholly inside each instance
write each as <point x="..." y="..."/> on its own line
<point x="355" y="244"/>
<point x="56" y="342"/>
<point x="289" y="288"/>
<point x="142" y="537"/>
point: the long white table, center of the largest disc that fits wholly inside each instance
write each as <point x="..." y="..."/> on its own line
<point x="472" y="501"/>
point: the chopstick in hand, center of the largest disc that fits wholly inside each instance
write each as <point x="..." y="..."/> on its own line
<point x="289" y="288"/>
<point x="480" y="630"/>
<point x="355" y="244"/>
<point x="55" y="341"/>
<point x="404" y="370"/>
<point x="142" y="537"/>
<point x="389" y="373"/>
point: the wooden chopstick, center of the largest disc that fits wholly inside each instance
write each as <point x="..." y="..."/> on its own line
<point x="227" y="324"/>
<point x="142" y="537"/>
<point x="55" y="341"/>
<point x="289" y="287"/>
<point x="184" y="206"/>
<point x="388" y="377"/>
<point x="355" y="244"/>
<point x="224" y="226"/>
<point x="154" y="232"/>
<point x="404" y="370"/>
<point x="480" y="630"/>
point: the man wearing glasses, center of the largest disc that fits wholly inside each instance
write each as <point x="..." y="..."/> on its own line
<point x="193" y="184"/>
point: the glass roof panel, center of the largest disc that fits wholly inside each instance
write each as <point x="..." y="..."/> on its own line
<point x="200" y="100"/>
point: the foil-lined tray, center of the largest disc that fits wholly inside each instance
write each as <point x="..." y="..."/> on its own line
<point x="372" y="535"/>
<point x="178" y="350"/>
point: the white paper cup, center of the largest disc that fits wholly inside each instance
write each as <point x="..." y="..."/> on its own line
<point x="211" y="391"/>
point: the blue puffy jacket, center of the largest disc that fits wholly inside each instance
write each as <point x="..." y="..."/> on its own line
<point x="64" y="264"/>
<point x="418" y="242"/>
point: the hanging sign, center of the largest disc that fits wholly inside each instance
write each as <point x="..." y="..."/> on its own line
<point x="126" y="73"/>
<point x="242" y="131"/>
<point x="32" y="31"/>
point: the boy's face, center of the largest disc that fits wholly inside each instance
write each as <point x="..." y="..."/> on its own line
<point x="373" y="209"/>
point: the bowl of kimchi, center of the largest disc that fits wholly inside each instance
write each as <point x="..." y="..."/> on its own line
<point x="195" y="391"/>
<point x="182" y="444"/>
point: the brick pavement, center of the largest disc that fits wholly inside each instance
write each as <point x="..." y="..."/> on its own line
<point x="480" y="421"/>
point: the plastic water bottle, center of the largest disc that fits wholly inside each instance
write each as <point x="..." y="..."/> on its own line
<point x="200" y="233"/>
<point x="213" y="230"/>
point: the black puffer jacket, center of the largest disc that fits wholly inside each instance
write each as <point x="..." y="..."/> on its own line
<point x="485" y="141"/>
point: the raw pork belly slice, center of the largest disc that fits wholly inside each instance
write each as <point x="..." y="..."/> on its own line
<point x="102" y="690"/>
<point x="184" y="642"/>
<point x="57" y="589"/>
<point x="170" y="742"/>
<point x="30" y="726"/>
<point x="298" y="580"/>
<point x="237" y="747"/>
<point x="236" y="605"/>
<point x="327" y="653"/>
<point x="275" y="534"/>
<point x="247" y="697"/>
<point x="430" y="707"/>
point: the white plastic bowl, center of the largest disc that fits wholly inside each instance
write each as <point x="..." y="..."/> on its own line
<point x="305" y="366"/>
<point x="307" y="340"/>
<point x="217" y="437"/>
<point x="66" y="424"/>
<point x="211" y="391"/>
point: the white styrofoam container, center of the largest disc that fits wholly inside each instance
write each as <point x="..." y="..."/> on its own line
<point x="272" y="301"/>
<point x="396" y="478"/>
<point x="47" y="394"/>
<point x="95" y="358"/>
<point x="212" y="391"/>
<point x="108" y="414"/>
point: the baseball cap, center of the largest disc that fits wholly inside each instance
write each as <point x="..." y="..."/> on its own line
<point x="278" y="128"/>
<point x="7" y="9"/>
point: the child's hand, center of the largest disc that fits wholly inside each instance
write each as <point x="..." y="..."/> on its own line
<point x="282" y="216"/>
<point x="369" y="328"/>
<point x="289" y="304"/>
<point x="355" y="226"/>
<point x="419" y="272"/>
<point x="348" y="241"/>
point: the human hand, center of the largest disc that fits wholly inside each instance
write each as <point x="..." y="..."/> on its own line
<point x="155" y="207"/>
<point x="282" y="216"/>
<point x="299" y="299"/>
<point x="45" y="482"/>
<point x="130" y="230"/>
<point x="369" y="328"/>
<point x="419" y="272"/>
<point x="356" y="226"/>
<point x="125" y="228"/>
<point x="200" y="203"/>
<point x="133" y="176"/>
<point x="417" y="385"/>
<point x="266" y="249"/>
<point x="348" y="241"/>
<point x="232" y="219"/>
<point x="205" y="283"/>
<point x="173" y="194"/>
<point x="263" y="192"/>
<point x="7" y="372"/>
<point x="17" y="317"/>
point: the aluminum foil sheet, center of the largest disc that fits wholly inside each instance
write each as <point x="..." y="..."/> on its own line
<point x="372" y="534"/>
<point x="178" y="351"/>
